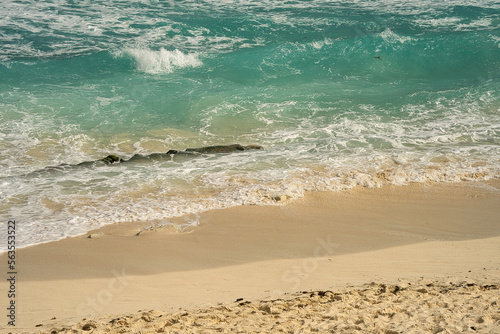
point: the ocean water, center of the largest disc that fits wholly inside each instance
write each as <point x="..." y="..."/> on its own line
<point x="339" y="93"/>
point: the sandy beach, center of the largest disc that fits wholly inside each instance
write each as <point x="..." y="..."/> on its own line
<point x="423" y="258"/>
<point x="250" y="166"/>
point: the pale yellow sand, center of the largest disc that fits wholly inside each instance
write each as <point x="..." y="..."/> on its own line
<point x="423" y="306"/>
<point x="338" y="242"/>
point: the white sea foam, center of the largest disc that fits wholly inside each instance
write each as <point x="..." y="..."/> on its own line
<point x="496" y="39"/>
<point x="483" y="24"/>
<point x="162" y="61"/>
<point x="423" y="6"/>
<point x="51" y="215"/>
<point x="320" y="44"/>
<point x="443" y="22"/>
<point x="390" y="37"/>
<point x="69" y="26"/>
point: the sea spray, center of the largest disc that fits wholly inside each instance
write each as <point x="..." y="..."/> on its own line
<point x="161" y="61"/>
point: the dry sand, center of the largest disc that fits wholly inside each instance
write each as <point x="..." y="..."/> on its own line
<point x="433" y="252"/>
<point x="423" y="306"/>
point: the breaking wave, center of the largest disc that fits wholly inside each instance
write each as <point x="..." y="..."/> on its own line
<point x="161" y="61"/>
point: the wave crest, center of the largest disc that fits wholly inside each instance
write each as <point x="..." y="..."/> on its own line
<point x="161" y="61"/>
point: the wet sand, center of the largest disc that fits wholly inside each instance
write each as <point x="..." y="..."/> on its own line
<point x="407" y="237"/>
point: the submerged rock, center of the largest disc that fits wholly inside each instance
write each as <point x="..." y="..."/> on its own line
<point x="113" y="159"/>
<point x="218" y="149"/>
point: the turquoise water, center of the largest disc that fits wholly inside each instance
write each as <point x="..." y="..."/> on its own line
<point x="340" y="93"/>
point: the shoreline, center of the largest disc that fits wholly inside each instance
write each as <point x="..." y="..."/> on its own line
<point x="141" y="203"/>
<point x="324" y="241"/>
